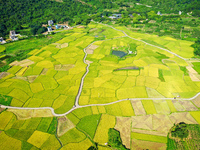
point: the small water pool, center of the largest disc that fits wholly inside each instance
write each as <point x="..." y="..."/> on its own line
<point x="119" y="53"/>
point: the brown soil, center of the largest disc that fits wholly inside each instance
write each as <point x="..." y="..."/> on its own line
<point x="182" y="117"/>
<point x="64" y="125"/>
<point x="138" y="108"/>
<point x="21" y="78"/>
<point x="4" y="74"/>
<point x="188" y="105"/>
<point x="123" y="125"/>
<point x="144" y="145"/>
<point x="32" y="78"/>
<point x="142" y="122"/>
<point x="64" y="45"/>
<point x="44" y="71"/>
<point x="161" y="123"/>
<point x="196" y="101"/>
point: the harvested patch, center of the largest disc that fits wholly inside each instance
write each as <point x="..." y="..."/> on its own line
<point x="32" y="78"/>
<point x="22" y="114"/>
<point x="64" y="45"/>
<point x="138" y="108"/>
<point x="182" y="117"/>
<point x="196" y="101"/>
<point x="142" y="122"/>
<point x="178" y="106"/>
<point x="64" y="125"/>
<point x="20" y="78"/>
<point x="161" y="123"/>
<point x="91" y="48"/>
<point x="188" y="105"/>
<point x="44" y="71"/>
<point x="64" y="67"/>
<point x="88" y="62"/>
<point x="123" y="125"/>
<point x="141" y="145"/>
<point x="4" y="74"/>
<point x="42" y="113"/>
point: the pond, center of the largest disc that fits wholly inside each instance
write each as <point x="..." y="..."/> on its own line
<point x="119" y="53"/>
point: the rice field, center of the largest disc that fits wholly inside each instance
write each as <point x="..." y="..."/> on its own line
<point x="52" y="75"/>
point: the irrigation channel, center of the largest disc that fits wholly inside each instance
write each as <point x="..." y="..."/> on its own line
<point x="76" y="105"/>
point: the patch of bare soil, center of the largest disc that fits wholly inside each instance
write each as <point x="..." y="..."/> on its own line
<point x="188" y="105"/>
<point x="21" y="78"/>
<point x="161" y="123"/>
<point x="123" y="125"/>
<point x="196" y="101"/>
<point x="147" y="145"/>
<point x="64" y="45"/>
<point x="64" y="125"/>
<point x="142" y="122"/>
<point x="91" y="48"/>
<point x="88" y="62"/>
<point x="44" y="71"/>
<point x="138" y="108"/>
<point x="182" y="117"/>
<point x="32" y="78"/>
<point x="4" y="74"/>
<point x="64" y="67"/>
<point x="22" y="63"/>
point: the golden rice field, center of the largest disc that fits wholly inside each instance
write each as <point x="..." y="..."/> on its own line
<point x="120" y="68"/>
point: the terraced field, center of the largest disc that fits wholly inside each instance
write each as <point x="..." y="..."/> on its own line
<point x="70" y="93"/>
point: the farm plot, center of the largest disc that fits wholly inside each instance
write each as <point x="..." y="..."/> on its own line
<point x="51" y="76"/>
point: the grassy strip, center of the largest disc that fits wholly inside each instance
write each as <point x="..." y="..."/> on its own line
<point x="148" y="137"/>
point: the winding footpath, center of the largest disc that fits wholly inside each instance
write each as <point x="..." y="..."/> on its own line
<point x="77" y="106"/>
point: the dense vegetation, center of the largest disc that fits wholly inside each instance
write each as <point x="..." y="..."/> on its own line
<point x="196" y="46"/>
<point x="114" y="139"/>
<point x="31" y="14"/>
<point x="179" y="133"/>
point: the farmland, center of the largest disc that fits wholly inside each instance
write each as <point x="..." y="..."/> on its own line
<point x="73" y="92"/>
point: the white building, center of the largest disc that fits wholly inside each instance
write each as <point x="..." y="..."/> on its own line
<point x="50" y="22"/>
<point x="13" y="36"/>
<point x="49" y="29"/>
<point x="2" y="41"/>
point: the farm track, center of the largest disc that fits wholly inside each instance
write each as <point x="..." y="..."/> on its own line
<point x="76" y="106"/>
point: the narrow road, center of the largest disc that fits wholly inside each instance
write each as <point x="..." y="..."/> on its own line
<point x="144" y="41"/>
<point x="76" y="106"/>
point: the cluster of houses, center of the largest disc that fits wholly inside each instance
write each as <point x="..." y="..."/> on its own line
<point x="13" y="36"/>
<point x="58" y="26"/>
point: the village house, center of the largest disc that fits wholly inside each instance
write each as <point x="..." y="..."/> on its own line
<point x="115" y="16"/>
<point x="50" y="22"/>
<point x="49" y="29"/>
<point x="13" y="36"/>
<point x="2" y="41"/>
